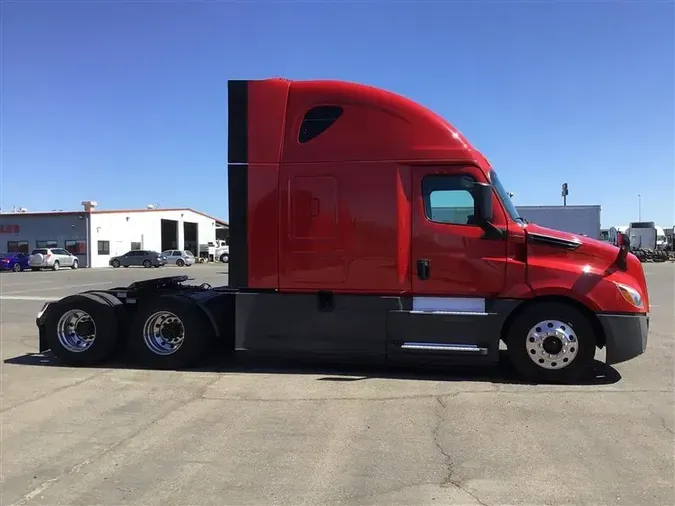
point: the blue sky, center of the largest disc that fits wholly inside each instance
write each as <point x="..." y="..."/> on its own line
<point x="125" y="102"/>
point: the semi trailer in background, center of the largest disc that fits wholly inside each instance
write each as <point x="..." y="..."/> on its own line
<point x="648" y="241"/>
<point x="581" y="220"/>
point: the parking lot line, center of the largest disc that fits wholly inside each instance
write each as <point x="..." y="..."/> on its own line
<point x="60" y="287"/>
<point x="28" y="297"/>
<point x="4" y="284"/>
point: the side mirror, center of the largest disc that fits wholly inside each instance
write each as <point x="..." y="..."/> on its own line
<point x="623" y="240"/>
<point x="482" y="194"/>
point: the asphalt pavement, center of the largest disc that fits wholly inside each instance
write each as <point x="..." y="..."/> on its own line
<point x="278" y="433"/>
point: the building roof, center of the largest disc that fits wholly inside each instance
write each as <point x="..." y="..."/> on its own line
<point x="113" y="211"/>
<point x="582" y="206"/>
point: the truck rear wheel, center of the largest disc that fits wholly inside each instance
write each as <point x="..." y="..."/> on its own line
<point x="170" y="332"/>
<point x="552" y="342"/>
<point x="81" y="330"/>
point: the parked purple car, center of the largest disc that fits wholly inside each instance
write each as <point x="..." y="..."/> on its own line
<point x="16" y="262"/>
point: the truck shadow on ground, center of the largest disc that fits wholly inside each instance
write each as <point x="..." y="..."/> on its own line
<point x="502" y="373"/>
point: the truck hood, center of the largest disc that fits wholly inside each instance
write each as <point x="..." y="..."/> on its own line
<point x="601" y="252"/>
<point x="556" y="261"/>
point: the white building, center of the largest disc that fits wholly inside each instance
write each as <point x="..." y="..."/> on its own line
<point x="95" y="235"/>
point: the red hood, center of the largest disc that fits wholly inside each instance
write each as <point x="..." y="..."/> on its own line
<point x="600" y="250"/>
<point x="556" y="259"/>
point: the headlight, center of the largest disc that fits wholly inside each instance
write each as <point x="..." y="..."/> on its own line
<point x="631" y="295"/>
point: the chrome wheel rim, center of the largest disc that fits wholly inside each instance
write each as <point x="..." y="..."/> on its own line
<point x="163" y="333"/>
<point x="552" y="344"/>
<point x="76" y="331"/>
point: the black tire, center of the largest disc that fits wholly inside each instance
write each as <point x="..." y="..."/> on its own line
<point x="56" y="265"/>
<point x="225" y="258"/>
<point x="120" y="312"/>
<point x="115" y="264"/>
<point x="180" y="263"/>
<point x="575" y="324"/>
<point x="198" y="334"/>
<point x="75" y="265"/>
<point x="16" y="268"/>
<point x="147" y="264"/>
<point x="105" y="319"/>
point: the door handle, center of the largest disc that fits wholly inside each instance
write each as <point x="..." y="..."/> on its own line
<point x="315" y="208"/>
<point x="423" y="269"/>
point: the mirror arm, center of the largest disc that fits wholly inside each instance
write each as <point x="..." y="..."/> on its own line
<point x="492" y="233"/>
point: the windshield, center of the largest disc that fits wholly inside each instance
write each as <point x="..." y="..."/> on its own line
<point x="505" y="198"/>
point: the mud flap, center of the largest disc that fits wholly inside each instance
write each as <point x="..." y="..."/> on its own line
<point x="42" y="331"/>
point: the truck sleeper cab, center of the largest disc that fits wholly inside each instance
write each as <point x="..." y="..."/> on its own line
<point x="364" y="226"/>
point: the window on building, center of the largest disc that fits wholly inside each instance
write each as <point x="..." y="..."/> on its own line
<point x="318" y="120"/>
<point x="17" y="247"/>
<point x="76" y="247"/>
<point x="447" y="199"/>
<point x="46" y="244"/>
<point x="135" y="246"/>
<point x="104" y="247"/>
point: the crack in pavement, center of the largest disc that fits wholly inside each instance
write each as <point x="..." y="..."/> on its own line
<point x="76" y="468"/>
<point x="433" y="396"/>
<point x="448" y="480"/>
<point x="56" y="390"/>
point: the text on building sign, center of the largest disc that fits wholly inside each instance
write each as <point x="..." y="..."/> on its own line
<point x="9" y="229"/>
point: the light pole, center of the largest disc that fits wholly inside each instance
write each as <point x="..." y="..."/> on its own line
<point x="639" y="207"/>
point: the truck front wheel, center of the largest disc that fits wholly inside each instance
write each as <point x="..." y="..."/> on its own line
<point x="170" y="332"/>
<point x="552" y="342"/>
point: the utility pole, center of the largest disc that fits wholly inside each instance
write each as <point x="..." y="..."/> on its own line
<point x="565" y="192"/>
<point x="639" y="207"/>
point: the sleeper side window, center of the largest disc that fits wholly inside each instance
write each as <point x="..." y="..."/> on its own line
<point x="448" y="199"/>
<point x="318" y="120"/>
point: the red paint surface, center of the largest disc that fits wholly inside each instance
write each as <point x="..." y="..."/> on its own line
<point x="343" y="212"/>
<point x="462" y="262"/>
<point x="552" y="271"/>
<point x="267" y="113"/>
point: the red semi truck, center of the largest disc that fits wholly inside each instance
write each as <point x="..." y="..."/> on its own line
<point x="365" y="226"/>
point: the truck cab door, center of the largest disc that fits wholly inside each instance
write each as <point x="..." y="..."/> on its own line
<point x="453" y="256"/>
<point x="458" y="264"/>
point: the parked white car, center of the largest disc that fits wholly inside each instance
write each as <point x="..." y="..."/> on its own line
<point x="179" y="257"/>
<point x="52" y="258"/>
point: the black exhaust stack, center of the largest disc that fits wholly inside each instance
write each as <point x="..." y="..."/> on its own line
<point x="237" y="181"/>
